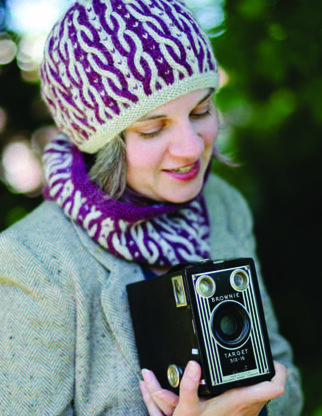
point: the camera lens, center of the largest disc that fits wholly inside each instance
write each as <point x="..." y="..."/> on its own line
<point x="206" y="286"/>
<point x="239" y="280"/>
<point x="230" y="324"/>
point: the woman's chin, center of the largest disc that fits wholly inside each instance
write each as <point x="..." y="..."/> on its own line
<point x="181" y="196"/>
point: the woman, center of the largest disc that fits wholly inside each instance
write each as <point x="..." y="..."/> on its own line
<point x="130" y="84"/>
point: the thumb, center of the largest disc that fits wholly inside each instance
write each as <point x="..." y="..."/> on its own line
<point x="188" y="397"/>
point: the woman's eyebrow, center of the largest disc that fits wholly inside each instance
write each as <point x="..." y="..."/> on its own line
<point x="151" y="117"/>
<point x="157" y="116"/>
<point x="209" y="94"/>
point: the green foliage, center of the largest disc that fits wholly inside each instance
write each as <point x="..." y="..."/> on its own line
<point x="271" y="53"/>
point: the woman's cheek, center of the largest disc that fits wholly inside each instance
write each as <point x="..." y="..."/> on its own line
<point x="210" y="131"/>
<point x="143" y="154"/>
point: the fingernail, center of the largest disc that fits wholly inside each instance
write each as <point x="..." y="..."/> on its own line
<point x="193" y="370"/>
<point x="146" y="374"/>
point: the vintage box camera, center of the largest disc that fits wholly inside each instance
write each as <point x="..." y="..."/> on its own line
<point x="210" y="312"/>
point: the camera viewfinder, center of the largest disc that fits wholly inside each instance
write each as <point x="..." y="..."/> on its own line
<point x="239" y="280"/>
<point x="206" y="286"/>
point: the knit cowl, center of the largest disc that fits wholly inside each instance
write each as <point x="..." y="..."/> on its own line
<point x="135" y="229"/>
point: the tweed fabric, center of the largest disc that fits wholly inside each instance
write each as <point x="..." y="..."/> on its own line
<point x="108" y="62"/>
<point x="156" y="233"/>
<point x="66" y="342"/>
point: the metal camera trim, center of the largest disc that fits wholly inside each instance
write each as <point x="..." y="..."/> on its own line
<point x="179" y="291"/>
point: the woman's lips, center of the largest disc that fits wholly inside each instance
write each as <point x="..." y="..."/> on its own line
<point x="185" y="173"/>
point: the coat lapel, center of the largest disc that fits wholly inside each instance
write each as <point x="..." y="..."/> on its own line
<point x="114" y="297"/>
<point x="116" y="308"/>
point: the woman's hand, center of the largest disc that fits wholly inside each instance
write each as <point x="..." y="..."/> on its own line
<point x="243" y="401"/>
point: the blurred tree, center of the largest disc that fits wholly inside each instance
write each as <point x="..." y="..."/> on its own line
<point x="23" y="113"/>
<point x="271" y="53"/>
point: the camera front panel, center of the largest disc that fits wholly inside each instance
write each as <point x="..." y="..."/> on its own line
<point x="230" y="324"/>
<point x="210" y="312"/>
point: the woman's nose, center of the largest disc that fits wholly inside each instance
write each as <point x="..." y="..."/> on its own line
<point x="186" y="141"/>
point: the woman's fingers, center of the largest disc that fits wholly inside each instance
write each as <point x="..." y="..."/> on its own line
<point x="278" y="382"/>
<point x="149" y="402"/>
<point x="269" y="390"/>
<point x="242" y="401"/>
<point x="189" y="402"/>
<point x="164" y="400"/>
<point x="160" y="401"/>
<point x="261" y="392"/>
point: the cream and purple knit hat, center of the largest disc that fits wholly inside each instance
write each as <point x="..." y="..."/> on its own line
<point x="109" y="62"/>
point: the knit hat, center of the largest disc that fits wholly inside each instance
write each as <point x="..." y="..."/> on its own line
<point x="107" y="63"/>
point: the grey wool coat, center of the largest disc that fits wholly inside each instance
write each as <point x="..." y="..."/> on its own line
<point x="66" y="340"/>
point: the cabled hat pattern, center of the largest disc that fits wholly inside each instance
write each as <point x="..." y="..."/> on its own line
<point x="109" y="62"/>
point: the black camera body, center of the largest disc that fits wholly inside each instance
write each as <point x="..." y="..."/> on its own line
<point x="210" y="312"/>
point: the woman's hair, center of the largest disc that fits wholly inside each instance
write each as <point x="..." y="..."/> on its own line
<point x="109" y="169"/>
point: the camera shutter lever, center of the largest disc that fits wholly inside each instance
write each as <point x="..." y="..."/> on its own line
<point x="174" y="374"/>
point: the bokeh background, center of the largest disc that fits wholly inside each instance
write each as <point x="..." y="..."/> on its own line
<point x="271" y="109"/>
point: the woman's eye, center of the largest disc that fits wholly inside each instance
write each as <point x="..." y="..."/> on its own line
<point x="150" y="134"/>
<point x="200" y="114"/>
<point x="201" y="111"/>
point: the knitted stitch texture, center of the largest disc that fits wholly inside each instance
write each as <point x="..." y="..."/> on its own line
<point x="109" y="62"/>
<point x="156" y="234"/>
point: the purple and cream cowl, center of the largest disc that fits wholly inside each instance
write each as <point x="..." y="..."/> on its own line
<point x="109" y="62"/>
<point x="151" y="233"/>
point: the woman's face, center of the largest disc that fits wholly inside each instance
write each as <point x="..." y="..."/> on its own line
<point x="169" y="149"/>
